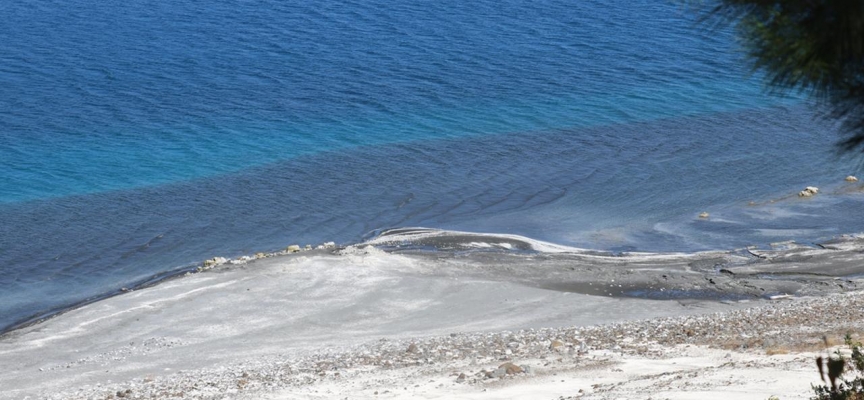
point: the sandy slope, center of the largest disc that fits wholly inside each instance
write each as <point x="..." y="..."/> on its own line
<point x="683" y="372"/>
<point x="334" y="326"/>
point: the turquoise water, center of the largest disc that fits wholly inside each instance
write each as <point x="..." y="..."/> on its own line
<point x="105" y="97"/>
<point x="138" y="139"/>
<point x="71" y="161"/>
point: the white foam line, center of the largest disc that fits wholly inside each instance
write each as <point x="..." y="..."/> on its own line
<point x="536" y="245"/>
<point x="424" y="233"/>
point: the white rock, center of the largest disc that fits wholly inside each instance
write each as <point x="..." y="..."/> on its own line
<point x="704" y="215"/>
<point x="808" y="191"/>
<point x="851" y="178"/>
<point x="583" y="348"/>
<point x="292" y="248"/>
<point x="215" y="261"/>
<point x="498" y="373"/>
<point x="241" y="260"/>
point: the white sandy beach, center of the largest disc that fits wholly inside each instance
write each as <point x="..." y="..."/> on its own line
<point x="368" y="324"/>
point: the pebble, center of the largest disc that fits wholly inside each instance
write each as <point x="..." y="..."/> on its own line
<point x="497" y="373"/>
<point x="510" y="368"/>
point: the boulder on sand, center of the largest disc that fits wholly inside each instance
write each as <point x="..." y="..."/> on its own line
<point x="510" y="368"/>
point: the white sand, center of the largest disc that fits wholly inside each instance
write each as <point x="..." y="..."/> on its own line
<point x="282" y="328"/>
<point x="691" y="372"/>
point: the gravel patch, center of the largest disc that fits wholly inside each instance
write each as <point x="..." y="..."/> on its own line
<point x="479" y="358"/>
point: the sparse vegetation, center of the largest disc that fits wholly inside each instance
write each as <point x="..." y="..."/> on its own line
<point x="831" y="370"/>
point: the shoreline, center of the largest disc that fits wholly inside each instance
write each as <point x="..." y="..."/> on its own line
<point x="419" y="241"/>
<point x="40" y="310"/>
<point x="56" y="312"/>
<point x="346" y="305"/>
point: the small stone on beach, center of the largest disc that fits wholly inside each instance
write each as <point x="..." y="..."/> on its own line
<point x="510" y="368"/>
<point x="215" y="261"/>
<point x="851" y="178"/>
<point x="498" y="373"/>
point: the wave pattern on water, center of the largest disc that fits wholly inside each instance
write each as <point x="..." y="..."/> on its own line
<point x="579" y="188"/>
<point x="139" y="138"/>
<point x="103" y="96"/>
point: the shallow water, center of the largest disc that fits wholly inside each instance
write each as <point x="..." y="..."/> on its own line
<point x="143" y="138"/>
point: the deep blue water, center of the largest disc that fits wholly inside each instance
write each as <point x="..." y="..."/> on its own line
<point x="141" y="137"/>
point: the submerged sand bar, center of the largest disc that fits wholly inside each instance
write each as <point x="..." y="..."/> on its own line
<point x="336" y="324"/>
